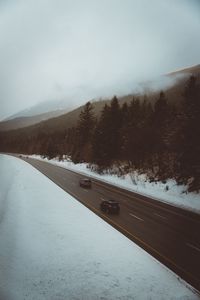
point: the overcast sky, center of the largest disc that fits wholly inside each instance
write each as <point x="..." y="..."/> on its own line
<point x="81" y="49"/>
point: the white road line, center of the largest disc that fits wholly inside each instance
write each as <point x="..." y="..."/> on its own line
<point x="85" y="190"/>
<point x="194" y="247"/>
<point x="102" y="199"/>
<point x="160" y="216"/>
<point x="132" y="215"/>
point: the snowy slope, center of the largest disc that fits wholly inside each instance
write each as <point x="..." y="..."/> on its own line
<point x="54" y="248"/>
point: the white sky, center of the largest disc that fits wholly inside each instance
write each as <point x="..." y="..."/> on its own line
<point x="79" y="50"/>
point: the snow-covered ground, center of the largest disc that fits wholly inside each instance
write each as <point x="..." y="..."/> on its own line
<point x="54" y="248"/>
<point x="168" y="192"/>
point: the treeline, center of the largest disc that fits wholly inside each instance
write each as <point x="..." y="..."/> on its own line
<point x="162" y="140"/>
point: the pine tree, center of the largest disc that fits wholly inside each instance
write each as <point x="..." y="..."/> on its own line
<point x="106" y="141"/>
<point x="160" y="121"/>
<point x="85" y="130"/>
<point x="51" y="148"/>
<point x="189" y="147"/>
<point x="100" y="141"/>
<point x="131" y="134"/>
<point x="113" y="129"/>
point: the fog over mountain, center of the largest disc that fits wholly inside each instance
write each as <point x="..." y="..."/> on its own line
<point x="79" y="50"/>
<point x="57" y="106"/>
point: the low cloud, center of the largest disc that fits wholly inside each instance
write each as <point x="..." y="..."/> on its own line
<point x="79" y="50"/>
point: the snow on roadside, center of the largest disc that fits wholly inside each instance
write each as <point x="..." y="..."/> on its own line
<point x="168" y="192"/>
<point x="52" y="247"/>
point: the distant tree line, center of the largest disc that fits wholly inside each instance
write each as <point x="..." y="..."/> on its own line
<point x="162" y="140"/>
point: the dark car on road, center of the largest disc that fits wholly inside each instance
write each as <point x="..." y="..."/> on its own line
<point x="110" y="207"/>
<point x="85" y="182"/>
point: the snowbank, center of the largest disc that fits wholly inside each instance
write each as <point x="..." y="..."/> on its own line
<point x="168" y="192"/>
<point x="52" y="247"/>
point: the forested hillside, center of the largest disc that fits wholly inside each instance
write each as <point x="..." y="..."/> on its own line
<point x="161" y="139"/>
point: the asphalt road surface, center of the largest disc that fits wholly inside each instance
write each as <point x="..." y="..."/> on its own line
<point x="170" y="234"/>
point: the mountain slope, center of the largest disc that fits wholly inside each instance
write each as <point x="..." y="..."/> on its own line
<point x="36" y="114"/>
<point x="173" y="84"/>
<point x="25" y="121"/>
<point x="174" y="91"/>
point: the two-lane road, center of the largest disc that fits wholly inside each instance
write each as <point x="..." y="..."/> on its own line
<point x="170" y="234"/>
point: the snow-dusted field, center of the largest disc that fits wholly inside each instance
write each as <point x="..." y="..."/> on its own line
<point x="53" y="248"/>
<point x="174" y="194"/>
